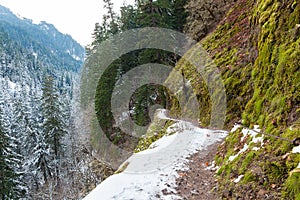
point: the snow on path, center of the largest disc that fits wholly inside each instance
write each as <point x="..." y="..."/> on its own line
<point x="153" y="170"/>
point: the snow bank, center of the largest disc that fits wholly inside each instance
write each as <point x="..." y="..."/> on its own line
<point x="153" y="170"/>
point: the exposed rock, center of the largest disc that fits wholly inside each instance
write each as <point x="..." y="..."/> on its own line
<point x="204" y="15"/>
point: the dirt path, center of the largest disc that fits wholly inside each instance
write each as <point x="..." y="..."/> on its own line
<point x="198" y="183"/>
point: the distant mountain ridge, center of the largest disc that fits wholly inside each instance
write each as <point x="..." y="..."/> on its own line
<point x="43" y="40"/>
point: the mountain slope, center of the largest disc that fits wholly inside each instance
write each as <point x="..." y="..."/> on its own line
<point x="28" y="52"/>
<point x="38" y="79"/>
<point x="44" y="40"/>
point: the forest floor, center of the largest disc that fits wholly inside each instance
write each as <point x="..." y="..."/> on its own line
<point x="199" y="182"/>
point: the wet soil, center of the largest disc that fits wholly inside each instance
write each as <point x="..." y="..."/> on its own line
<point x="199" y="182"/>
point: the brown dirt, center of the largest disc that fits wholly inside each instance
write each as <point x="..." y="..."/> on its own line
<point x="198" y="183"/>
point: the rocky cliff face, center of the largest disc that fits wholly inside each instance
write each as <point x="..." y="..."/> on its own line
<point x="204" y="16"/>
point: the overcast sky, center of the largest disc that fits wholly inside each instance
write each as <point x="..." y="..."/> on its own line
<point x="74" y="17"/>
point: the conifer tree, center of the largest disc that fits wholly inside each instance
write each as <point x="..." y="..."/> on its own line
<point x="19" y="121"/>
<point x="111" y="16"/>
<point x="53" y="123"/>
<point x="146" y="13"/>
<point x="8" y="159"/>
<point x="38" y="153"/>
<point x="102" y="31"/>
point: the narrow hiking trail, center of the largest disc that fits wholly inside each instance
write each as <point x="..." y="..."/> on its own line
<point x="199" y="181"/>
<point x="154" y="173"/>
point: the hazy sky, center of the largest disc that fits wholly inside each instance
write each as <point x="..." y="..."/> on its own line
<point x="75" y="17"/>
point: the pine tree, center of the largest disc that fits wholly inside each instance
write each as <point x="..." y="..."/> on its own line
<point x="128" y="18"/>
<point x="53" y="123"/>
<point x="19" y="114"/>
<point x="109" y="26"/>
<point x="111" y="16"/>
<point x="40" y="160"/>
<point x="9" y="178"/>
<point x="146" y="13"/>
<point x="180" y="14"/>
<point x="38" y="153"/>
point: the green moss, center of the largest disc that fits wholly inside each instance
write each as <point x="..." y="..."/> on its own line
<point x="225" y="170"/>
<point x="273" y="80"/>
<point x="246" y="162"/>
<point x="292" y="161"/>
<point x="226" y="57"/>
<point x="262" y="90"/>
<point x="258" y="106"/>
<point x="276" y="171"/>
<point x="292" y="187"/>
<point x="218" y="160"/>
<point x="248" y="177"/>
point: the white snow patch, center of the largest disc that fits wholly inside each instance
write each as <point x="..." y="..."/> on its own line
<point x="256" y="127"/>
<point x="236" y="127"/>
<point x="155" y="169"/>
<point x="76" y="57"/>
<point x="45" y="27"/>
<point x="12" y="85"/>
<point x="35" y="55"/>
<point x="212" y="166"/>
<point x="231" y="158"/>
<point x="124" y="116"/>
<point x="188" y="83"/>
<point x="238" y="179"/>
<point x="245" y="148"/>
<point x="160" y="144"/>
<point x="248" y="132"/>
<point x="296" y="149"/>
<point x="258" y="139"/>
<point x="126" y="186"/>
<point x="255" y="148"/>
<point x="19" y="16"/>
<point x="245" y="132"/>
<point x="252" y="133"/>
<point x="298" y="167"/>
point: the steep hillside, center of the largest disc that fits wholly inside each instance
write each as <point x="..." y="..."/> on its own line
<point x="256" y="49"/>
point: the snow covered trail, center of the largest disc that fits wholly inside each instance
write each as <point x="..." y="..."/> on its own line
<point x="152" y="171"/>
